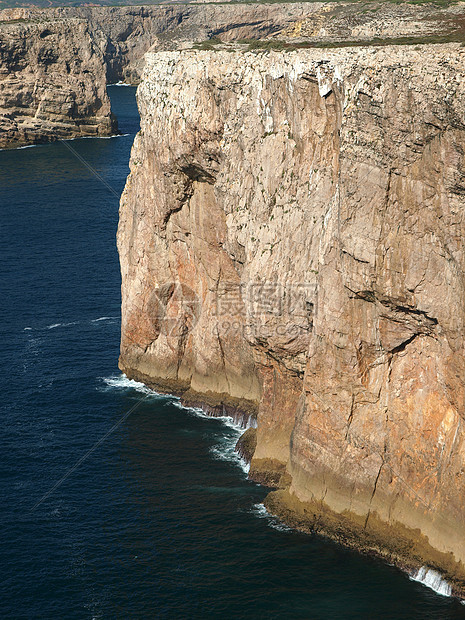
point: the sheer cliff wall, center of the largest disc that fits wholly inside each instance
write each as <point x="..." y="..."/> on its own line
<point x="52" y="83"/>
<point x="291" y="246"/>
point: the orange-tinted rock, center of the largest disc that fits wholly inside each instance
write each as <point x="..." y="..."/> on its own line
<point x="291" y="236"/>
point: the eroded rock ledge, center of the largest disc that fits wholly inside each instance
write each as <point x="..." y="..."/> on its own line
<point x="291" y="238"/>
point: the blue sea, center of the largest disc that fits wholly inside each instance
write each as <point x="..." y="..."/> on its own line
<point x="117" y="502"/>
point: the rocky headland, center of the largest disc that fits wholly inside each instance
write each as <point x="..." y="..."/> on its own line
<point x="291" y="245"/>
<point x="55" y="64"/>
<point x="290" y="239"/>
<point x="52" y="83"/>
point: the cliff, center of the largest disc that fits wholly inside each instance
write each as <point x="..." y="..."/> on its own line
<point x="56" y="62"/>
<point x="52" y="83"/>
<point x="291" y="249"/>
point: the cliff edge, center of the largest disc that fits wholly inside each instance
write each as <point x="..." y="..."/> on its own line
<point x="291" y="246"/>
<point x="55" y="63"/>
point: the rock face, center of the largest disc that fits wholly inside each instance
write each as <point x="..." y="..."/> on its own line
<point x="52" y="83"/>
<point x="55" y="63"/>
<point x="291" y="248"/>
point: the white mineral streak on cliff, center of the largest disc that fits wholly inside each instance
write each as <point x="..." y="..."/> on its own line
<point x="291" y="242"/>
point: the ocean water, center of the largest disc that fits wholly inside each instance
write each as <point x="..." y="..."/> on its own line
<point x="159" y="521"/>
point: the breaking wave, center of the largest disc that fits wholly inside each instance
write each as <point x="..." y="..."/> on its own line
<point x="54" y="325"/>
<point x="31" y="146"/>
<point x="121" y="382"/>
<point x="261" y="512"/>
<point x="225" y="449"/>
<point x="432" y="579"/>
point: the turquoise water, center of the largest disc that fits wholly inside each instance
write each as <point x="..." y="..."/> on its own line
<point x="160" y="520"/>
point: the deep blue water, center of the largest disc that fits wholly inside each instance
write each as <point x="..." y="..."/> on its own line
<point x="159" y="521"/>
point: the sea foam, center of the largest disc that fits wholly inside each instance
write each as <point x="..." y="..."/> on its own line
<point x="261" y="512"/>
<point x="225" y="449"/>
<point x="432" y="579"/>
<point x="123" y="382"/>
<point x="32" y="146"/>
<point x="55" y="325"/>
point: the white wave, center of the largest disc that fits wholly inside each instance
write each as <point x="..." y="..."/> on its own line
<point x="31" y="146"/>
<point x="20" y="148"/>
<point x="115" y="135"/>
<point x="104" y="318"/>
<point x="61" y="325"/>
<point x="200" y="413"/>
<point x="236" y="424"/>
<point x="122" y="382"/>
<point x="27" y="329"/>
<point x="432" y="579"/>
<point x="261" y="512"/>
<point x="225" y="451"/>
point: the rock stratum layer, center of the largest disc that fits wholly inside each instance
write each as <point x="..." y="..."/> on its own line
<point x="52" y="83"/>
<point x="291" y="244"/>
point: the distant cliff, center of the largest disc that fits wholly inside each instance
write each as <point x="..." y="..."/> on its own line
<point x="52" y="83"/>
<point x="55" y="64"/>
<point x="291" y="245"/>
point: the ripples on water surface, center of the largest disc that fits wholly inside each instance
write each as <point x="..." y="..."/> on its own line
<point x="160" y="521"/>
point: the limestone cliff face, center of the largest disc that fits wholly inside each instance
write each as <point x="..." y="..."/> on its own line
<point x="52" y="83"/>
<point x="291" y="244"/>
<point x="56" y="62"/>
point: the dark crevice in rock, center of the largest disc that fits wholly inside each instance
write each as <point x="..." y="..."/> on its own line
<point x="396" y="307"/>
<point x="401" y="347"/>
